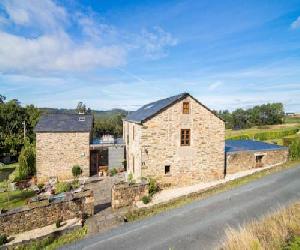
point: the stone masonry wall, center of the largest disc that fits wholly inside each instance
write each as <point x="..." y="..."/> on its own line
<point x="124" y="194"/>
<point x="57" y="153"/>
<point x="159" y="145"/>
<point x="17" y="221"/>
<point x="245" y="160"/>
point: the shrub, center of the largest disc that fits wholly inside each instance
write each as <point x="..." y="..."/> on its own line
<point x="61" y="187"/>
<point x="130" y="178"/>
<point x="153" y="187"/>
<point x="41" y="185"/>
<point x="113" y="171"/>
<point x="146" y="199"/>
<point x="75" y="184"/>
<point x="240" y="137"/>
<point x="3" y="239"/>
<point x="58" y="223"/>
<point x="270" y="135"/>
<point x="294" y="150"/>
<point x="26" y="160"/>
<point x="76" y="171"/>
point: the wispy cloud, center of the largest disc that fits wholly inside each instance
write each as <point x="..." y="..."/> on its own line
<point x="296" y="23"/>
<point x="214" y="85"/>
<point x="45" y="43"/>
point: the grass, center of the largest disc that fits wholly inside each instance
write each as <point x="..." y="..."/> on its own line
<point x="292" y="120"/>
<point x="17" y="198"/>
<point x="279" y="230"/>
<point x="252" y="131"/>
<point x="136" y="214"/>
<point x="53" y="242"/>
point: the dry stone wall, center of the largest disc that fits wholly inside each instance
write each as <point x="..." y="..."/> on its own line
<point x="245" y="160"/>
<point x="44" y="213"/>
<point x="125" y="194"/>
<point x="57" y="153"/>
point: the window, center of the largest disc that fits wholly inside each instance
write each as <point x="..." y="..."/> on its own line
<point x="133" y="132"/>
<point x="133" y="164"/>
<point x="186" y="108"/>
<point x="185" y="137"/>
<point x="81" y="118"/>
<point x="167" y="169"/>
<point x="258" y="160"/>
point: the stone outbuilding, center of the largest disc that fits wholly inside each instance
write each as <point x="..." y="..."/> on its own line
<point x="65" y="140"/>
<point x="176" y="140"/>
<point x="243" y="155"/>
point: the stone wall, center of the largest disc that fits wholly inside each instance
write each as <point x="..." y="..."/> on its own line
<point x="43" y="213"/>
<point x="57" y="153"/>
<point x="245" y="160"/>
<point x="157" y="144"/>
<point x="125" y="194"/>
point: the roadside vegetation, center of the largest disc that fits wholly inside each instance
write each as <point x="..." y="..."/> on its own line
<point x="137" y="214"/>
<point x="55" y="242"/>
<point x="279" y="230"/>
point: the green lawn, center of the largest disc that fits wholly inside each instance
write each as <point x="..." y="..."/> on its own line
<point x="13" y="199"/>
<point x="292" y="119"/>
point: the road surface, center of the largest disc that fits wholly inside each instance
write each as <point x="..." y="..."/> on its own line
<point x="201" y="224"/>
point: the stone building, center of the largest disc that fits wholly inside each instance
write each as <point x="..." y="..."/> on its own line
<point x="176" y="140"/>
<point x="65" y="140"/>
<point x="243" y="155"/>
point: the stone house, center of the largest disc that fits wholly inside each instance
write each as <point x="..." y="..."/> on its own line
<point x="65" y="140"/>
<point x="176" y="140"/>
<point x="243" y="155"/>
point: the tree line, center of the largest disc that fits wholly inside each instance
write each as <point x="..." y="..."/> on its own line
<point x="259" y="115"/>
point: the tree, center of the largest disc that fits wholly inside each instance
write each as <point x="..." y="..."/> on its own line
<point x="81" y="108"/>
<point x="2" y="99"/>
<point x="26" y="166"/>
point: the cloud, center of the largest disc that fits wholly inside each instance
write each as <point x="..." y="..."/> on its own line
<point x="215" y="85"/>
<point x="37" y="38"/>
<point x="296" y="23"/>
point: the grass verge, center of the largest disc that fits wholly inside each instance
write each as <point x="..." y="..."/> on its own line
<point x="279" y="230"/>
<point x="136" y="214"/>
<point x="53" y="242"/>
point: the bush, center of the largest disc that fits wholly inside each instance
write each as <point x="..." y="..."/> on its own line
<point x="75" y="184"/>
<point x="113" y="172"/>
<point x="61" y="187"/>
<point x="40" y="185"/>
<point x="58" y="223"/>
<point x="26" y="160"/>
<point x="3" y="239"/>
<point x="130" y="178"/>
<point x="270" y="135"/>
<point x="240" y="137"/>
<point x="146" y="199"/>
<point x="294" y="150"/>
<point x="76" y="171"/>
<point x="153" y="187"/>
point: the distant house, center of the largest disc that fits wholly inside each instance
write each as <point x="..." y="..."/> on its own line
<point x="65" y="140"/>
<point x="175" y="140"/>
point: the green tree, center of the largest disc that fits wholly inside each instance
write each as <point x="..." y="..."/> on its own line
<point x="26" y="166"/>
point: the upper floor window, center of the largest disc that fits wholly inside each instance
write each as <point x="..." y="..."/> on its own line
<point x="186" y="108"/>
<point x="185" y="137"/>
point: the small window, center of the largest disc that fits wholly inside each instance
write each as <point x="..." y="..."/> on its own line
<point x="258" y="160"/>
<point x="167" y="169"/>
<point x="186" y="108"/>
<point x="133" y="132"/>
<point x="185" y="137"/>
<point x="81" y="118"/>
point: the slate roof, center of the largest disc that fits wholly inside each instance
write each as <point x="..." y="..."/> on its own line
<point x="64" y="123"/>
<point x="249" y="145"/>
<point x="151" y="109"/>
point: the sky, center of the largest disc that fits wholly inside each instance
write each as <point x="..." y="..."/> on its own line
<point x="124" y="54"/>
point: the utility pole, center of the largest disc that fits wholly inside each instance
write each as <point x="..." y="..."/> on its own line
<point x="24" y="130"/>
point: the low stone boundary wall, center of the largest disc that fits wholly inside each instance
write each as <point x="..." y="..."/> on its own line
<point x="245" y="160"/>
<point x="43" y="213"/>
<point x="125" y="194"/>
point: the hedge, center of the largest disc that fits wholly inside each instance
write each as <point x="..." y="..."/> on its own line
<point x="269" y="135"/>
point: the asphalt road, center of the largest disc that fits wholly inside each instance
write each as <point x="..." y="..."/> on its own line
<point x="201" y="224"/>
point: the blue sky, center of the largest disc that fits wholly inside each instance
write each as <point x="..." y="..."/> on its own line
<point x="123" y="54"/>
